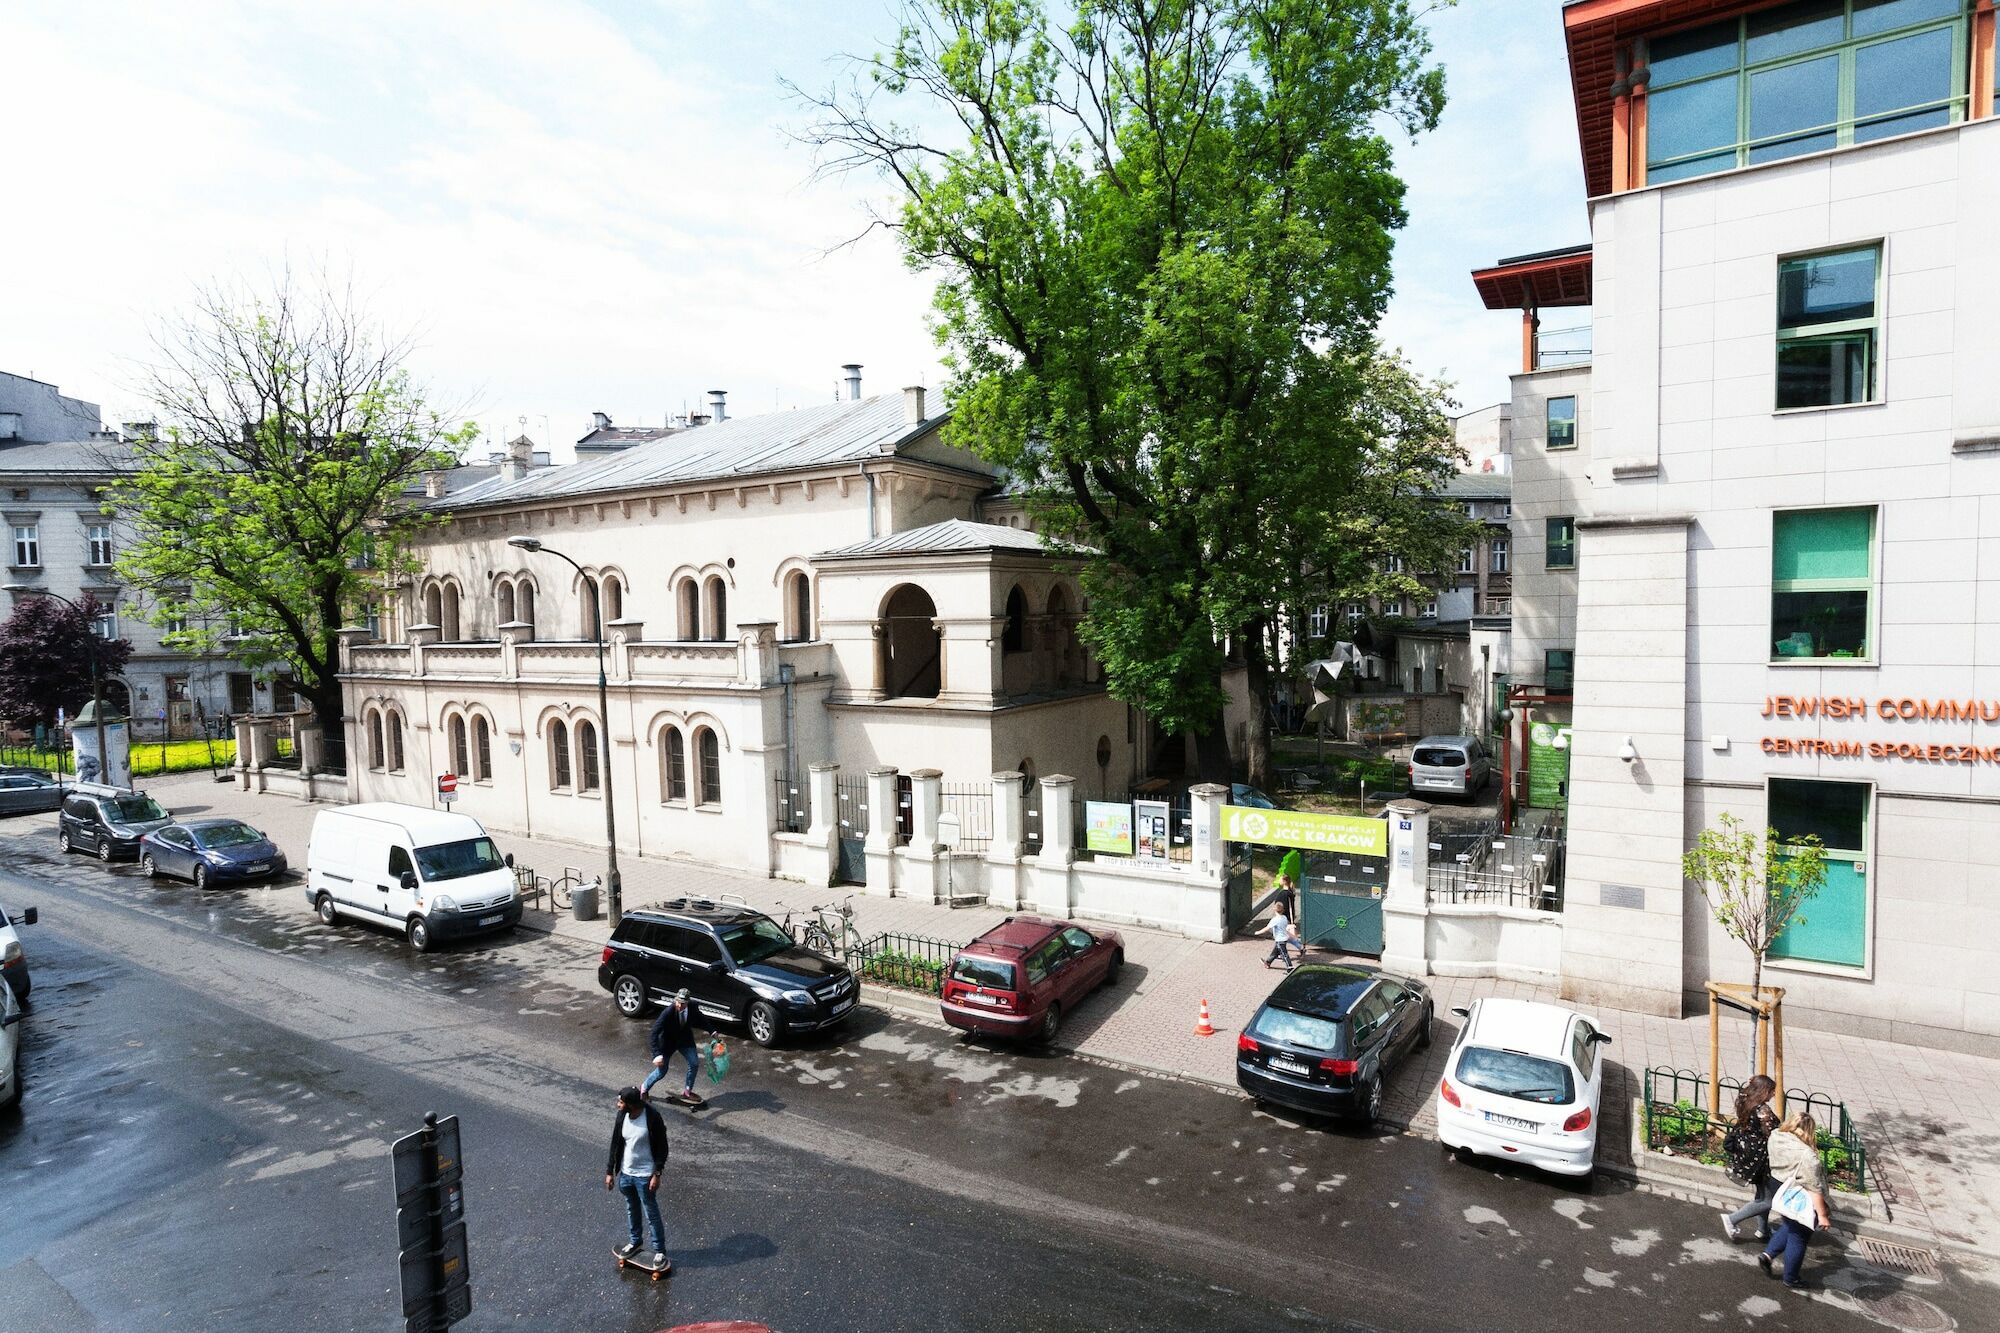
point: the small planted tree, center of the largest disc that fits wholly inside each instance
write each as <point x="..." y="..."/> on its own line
<point x="1755" y="884"/>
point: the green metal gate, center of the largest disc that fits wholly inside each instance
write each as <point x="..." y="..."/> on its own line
<point x="1341" y="907"/>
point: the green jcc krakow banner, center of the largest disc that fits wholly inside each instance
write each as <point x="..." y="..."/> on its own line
<point x="1299" y="828"/>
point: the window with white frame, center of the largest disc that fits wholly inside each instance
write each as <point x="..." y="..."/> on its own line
<point x="1465" y="559"/>
<point x="1393" y="565"/>
<point x="105" y="623"/>
<point x="1317" y="622"/>
<point x="1355" y="611"/>
<point x="1430" y="609"/>
<point x="1822" y="581"/>
<point x="99" y="537"/>
<point x="1497" y="555"/>
<point x="1828" y="316"/>
<point x="27" y="546"/>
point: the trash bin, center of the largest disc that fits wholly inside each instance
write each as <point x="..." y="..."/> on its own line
<point x="583" y="902"/>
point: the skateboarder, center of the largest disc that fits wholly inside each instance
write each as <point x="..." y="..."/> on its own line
<point x="673" y="1034"/>
<point x="638" y="1156"/>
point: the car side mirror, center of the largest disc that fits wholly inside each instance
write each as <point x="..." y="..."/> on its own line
<point x="1604" y="1037"/>
<point x="30" y="917"/>
<point x="1461" y="1010"/>
<point x="409" y="880"/>
<point x="509" y="859"/>
<point x="717" y="965"/>
<point x="11" y="1019"/>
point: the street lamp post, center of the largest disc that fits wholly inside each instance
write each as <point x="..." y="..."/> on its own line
<point x="614" y="883"/>
<point x="90" y="653"/>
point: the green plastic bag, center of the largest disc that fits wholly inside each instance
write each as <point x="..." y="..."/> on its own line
<point x="1290" y="865"/>
<point x="716" y="1058"/>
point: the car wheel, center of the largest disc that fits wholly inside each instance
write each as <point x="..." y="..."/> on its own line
<point x="628" y="995"/>
<point x="1111" y="973"/>
<point x="324" y="905"/>
<point x="763" y="1021"/>
<point x="104" y="852"/>
<point x="1371" y="1110"/>
<point x="1424" y="1037"/>
<point x="420" y="935"/>
<point x="1050" y="1025"/>
<point x="62" y="841"/>
<point x="147" y="864"/>
<point x="201" y="877"/>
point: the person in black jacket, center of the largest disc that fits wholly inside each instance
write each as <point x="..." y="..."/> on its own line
<point x="638" y="1157"/>
<point x="673" y="1033"/>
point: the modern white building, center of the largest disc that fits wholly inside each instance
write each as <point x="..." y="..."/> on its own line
<point x="1758" y="531"/>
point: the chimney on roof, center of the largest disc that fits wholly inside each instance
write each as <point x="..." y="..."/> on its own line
<point x="697" y="419"/>
<point x="520" y="457"/>
<point x="913" y="403"/>
<point x="717" y="400"/>
<point x="600" y="421"/>
<point x="853" y="381"/>
<point x="434" y="484"/>
<point x="141" y="432"/>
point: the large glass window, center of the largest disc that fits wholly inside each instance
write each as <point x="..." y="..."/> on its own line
<point x="1562" y="423"/>
<point x="1559" y="670"/>
<point x="1801" y="78"/>
<point x="1822" y="576"/>
<point x="1561" y="552"/>
<point x="1827" y="321"/>
<point x="1832" y="925"/>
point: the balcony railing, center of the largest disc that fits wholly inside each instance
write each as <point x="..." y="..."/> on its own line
<point x="1562" y="347"/>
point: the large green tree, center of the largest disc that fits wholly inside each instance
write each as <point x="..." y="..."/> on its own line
<point x="46" y="648"/>
<point x="268" y="509"/>
<point x="1162" y="232"/>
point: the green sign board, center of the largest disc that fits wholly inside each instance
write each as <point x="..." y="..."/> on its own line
<point x="1108" y="827"/>
<point x="1548" y="765"/>
<point x="1299" y="828"/>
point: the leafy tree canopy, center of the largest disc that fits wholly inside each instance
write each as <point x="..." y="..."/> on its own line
<point x="45" y="652"/>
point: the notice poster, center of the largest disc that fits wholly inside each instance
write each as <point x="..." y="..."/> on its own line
<point x="89" y="767"/>
<point x="1548" y="766"/>
<point x="1150" y="819"/>
<point x="1108" y="827"/>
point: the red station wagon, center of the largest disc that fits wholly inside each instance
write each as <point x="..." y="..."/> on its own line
<point x="1022" y="976"/>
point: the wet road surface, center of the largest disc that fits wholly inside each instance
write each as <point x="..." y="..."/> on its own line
<point x="213" y="1079"/>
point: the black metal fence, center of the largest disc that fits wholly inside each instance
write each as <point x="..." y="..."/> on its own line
<point x="1180" y="822"/>
<point x="1483" y="865"/>
<point x="850" y="797"/>
<point x="1675" y="1107"/>
<point x="915" y="962"/>
<point x="972" y="803"/>
<point x="791" y="805"/>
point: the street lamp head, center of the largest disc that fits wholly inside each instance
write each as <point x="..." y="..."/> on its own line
<point x="526" y="543"/>
<point x="20" y="588"/>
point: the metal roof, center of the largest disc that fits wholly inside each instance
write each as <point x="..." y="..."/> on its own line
<point x="828" y="434"/>
<point x="1478" y="486"/>
<point x="101" y="458"/>
<point x="953" y="536"/>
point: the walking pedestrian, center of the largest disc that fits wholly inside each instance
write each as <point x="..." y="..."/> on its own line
<point x="638" y="1157"/>
<point x="1747" y="1149"/>
<point x="673" y="1034"/>
<point x="1284" y="939"/>
<point x="1799" y="1206"/>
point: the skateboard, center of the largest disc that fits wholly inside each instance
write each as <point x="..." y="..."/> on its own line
<point x="638" y="1260"/>
<point x="693" y="1103"/>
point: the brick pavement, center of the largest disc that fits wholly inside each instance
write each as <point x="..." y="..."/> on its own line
<point x="1930" y="1119"/>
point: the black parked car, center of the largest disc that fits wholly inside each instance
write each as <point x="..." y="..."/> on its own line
<point x="736" y="963"/>
<point x="1325" y="1040"/>
<point x="107" y="820"/>
<point x="210" y="851"/>
<point x="23" y="791"/>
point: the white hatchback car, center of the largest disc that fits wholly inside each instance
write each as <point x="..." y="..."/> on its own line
<point x="1522" y="1082"/>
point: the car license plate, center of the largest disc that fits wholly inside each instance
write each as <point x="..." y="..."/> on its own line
<point x="982" y="999"/>
<point x="260" y="867"/>
<point x="493" y="920"/>
<point x="1279" y="1062"/>
<point x="844" y="1005"/>
<point x="1511" y="1122"/>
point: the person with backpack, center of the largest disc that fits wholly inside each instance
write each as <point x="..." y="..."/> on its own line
<point x="1746" y="1149"/>
<point x="1800" y="1203"/>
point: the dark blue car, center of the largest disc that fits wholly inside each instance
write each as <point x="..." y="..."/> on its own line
<point x="209" y="852"/>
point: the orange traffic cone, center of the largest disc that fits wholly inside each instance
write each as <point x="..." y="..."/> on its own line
<point x="1202" y="1027"/>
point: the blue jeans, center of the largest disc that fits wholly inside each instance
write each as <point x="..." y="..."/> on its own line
<point x="1759" y="1207"/>
<point x="687" y="1053"/>
<point x="638" y="1197"/>
<point x="1790" y="1239"/>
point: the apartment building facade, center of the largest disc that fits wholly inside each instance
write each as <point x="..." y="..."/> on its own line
<point x="1758" y="532"/>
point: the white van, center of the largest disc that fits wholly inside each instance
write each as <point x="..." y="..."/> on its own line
<point x="431" y="874"/>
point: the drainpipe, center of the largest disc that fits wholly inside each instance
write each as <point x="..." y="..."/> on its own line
<point x="869" y="478"/>
<point x="786" y="674"/>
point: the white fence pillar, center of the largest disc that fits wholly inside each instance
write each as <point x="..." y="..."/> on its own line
<point x="1003" y="855"/>
<point x="823" y="814"/>
<point x="880" y="845"/>
<point x="917" y="870"/>
<point x="1050" y="877"/>
<point x="1406" y="900"/>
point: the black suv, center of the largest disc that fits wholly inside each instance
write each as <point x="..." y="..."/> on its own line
<point x="735" y="963"/>
<point x="108" y="820"/>
<point x="1327" y="1037"/>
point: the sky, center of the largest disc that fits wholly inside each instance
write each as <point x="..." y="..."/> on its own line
<point x="576" y="207"/>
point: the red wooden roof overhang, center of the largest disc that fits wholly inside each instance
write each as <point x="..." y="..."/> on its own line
<point x="1543" y="281"/>
<point x="1594" y="30"/>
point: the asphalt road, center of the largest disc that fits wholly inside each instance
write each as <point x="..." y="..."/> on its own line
<point x="213" y="1081"/>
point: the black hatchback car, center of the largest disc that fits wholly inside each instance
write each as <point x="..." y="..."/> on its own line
<point x="736" y="963"/>
<point x="1326" y="1039"/>
<point x="107" y="820"/>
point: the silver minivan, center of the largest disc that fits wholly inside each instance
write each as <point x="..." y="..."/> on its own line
<point x="1449" y="766"/>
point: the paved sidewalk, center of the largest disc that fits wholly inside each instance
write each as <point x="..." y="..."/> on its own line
<point x="1930" y="1119"/>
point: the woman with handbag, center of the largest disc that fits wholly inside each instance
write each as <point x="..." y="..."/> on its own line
<point x="1747" y="1150"/>
<point x="1799" y="1206"/>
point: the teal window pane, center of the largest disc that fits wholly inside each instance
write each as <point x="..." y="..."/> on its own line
<point x="1561" y="551"/>
<point x="1873" y="16"/>
<point x="1689" y="55"/>
<point x="1694" y="118"/>
<point x="1562" y="423"/>
<point x="1795" y="101"/>
<point x="1827" y="289"/>
<point x="1791" y="29"/>
<point x="1901" y="73"/>
<point x="1823" y="545"/>
<point x="1832" y="925"/>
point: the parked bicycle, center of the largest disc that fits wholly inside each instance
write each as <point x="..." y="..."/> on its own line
<point x="831" y="931"/>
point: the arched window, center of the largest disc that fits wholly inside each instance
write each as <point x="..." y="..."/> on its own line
<point x="449" y="625"/>
<point x="461" y="753"/>
<point x="673" y="765"/>
<point x="1062" y="637"/>
<point x="798" y="607"/>
<point x="708" y="753"/>
<point x="558" y="756"/>
<point x="395" y="741"/>
<point x="613" y="599"/>
<point x="586" y="756"/>
<point x="911" y="665"/>
<point x="433" y="605"/>
<point x="1014" y="638"/>
<point x="375" y="739"/>
<point x="690" y="610"/>
<point x="524" y="602"/>
<point x="505" y="596"/>
<point x="482" y="750"/>
<point x="591" y="626"/>
<point x="717" y="608"/>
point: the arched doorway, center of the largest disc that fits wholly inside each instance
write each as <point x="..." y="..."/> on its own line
<point x="912" y="648"/>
